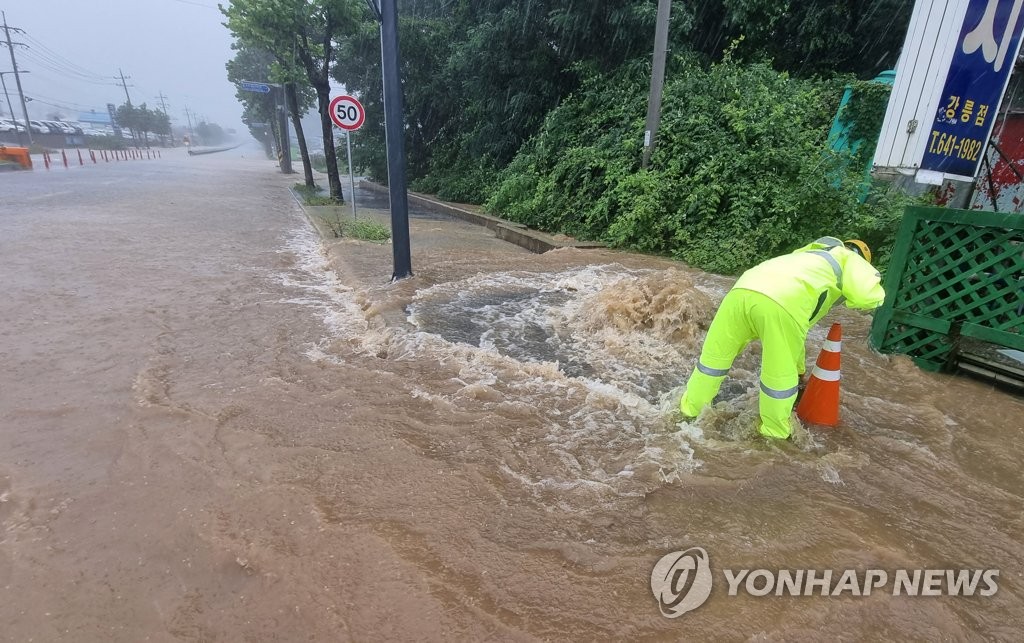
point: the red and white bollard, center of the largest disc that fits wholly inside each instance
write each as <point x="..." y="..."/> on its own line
<point x="80" y="161"/>
<point x="46" y="159"/>
<point x="64" y="155"/>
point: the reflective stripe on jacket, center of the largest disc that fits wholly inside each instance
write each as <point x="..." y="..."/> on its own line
<point x="810" y="280"/>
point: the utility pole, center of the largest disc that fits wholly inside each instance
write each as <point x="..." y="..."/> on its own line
<point x="17" y="78"/>
<point x="163" y="107"/>
<point x="657" y="80"/>
<point x="6" y="95"/>
<point x="192" y="134"/>
<point x="125" y="85"/>
<point x="286" y="137"/>
<point x="388" y="12"/>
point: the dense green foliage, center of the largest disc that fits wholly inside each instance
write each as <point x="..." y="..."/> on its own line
<point x="741" y="171"/>
<point x="536" y="107"/>
<point x="860" y="37"/>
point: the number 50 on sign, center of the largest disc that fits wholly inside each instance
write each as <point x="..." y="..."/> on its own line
<point x="347" y="113"/>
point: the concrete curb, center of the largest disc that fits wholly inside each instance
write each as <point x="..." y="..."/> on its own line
<point x="517" y="233"/>
<point x="316" y="221"/>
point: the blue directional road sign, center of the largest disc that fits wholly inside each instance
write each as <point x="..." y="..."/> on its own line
<point x="250" y="86"/>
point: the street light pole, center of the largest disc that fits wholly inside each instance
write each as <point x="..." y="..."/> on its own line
<point x="395" y="139"/>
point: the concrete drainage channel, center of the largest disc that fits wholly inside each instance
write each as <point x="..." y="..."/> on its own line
<point x="516" y="233"/>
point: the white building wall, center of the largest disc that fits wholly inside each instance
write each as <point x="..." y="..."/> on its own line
<point x="920" y="75"/>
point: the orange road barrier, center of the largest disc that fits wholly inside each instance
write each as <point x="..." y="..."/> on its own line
<point x="46" y="159"/>
<point x="820" y="402"/>
<point x="19" y="155"/>
<point x="64" y="155"/>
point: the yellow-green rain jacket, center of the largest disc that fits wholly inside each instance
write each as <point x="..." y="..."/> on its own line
<point x="808" y="287"/>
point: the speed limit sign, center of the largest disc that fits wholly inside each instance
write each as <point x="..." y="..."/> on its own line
<point x="347" y="113"/>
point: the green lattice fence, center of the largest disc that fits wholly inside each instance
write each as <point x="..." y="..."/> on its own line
<point x="954" y="274"/>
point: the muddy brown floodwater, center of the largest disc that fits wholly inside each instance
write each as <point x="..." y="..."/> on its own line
<point x="214" y="426"/>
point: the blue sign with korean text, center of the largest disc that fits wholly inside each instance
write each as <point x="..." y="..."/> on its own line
<point x="982" y="61"/>
<point x="261" y="88"/>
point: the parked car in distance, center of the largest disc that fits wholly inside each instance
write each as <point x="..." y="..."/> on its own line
<point x="52" y="127"/>
<point x="39" y="127"/>
<point x="65" y="128"/>
<point x="9" y="126"/>
<point x="36" y="128"/>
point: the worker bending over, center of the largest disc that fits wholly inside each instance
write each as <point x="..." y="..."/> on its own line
<point x="777" y="302"/>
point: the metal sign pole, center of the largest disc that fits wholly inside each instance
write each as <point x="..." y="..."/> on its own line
<point x="395" y="137"/>
<point x="351" y="173"/>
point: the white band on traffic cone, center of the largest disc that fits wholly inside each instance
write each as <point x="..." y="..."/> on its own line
<point x="831" y="346"/>
<point x="824" y="375"/>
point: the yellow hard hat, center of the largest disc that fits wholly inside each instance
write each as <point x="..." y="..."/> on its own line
<point x="859" y="247"/>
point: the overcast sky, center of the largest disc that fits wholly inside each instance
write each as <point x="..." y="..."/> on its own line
<point x="75" y="48"/>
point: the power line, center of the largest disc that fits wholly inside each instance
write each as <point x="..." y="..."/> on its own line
<point x="65" y="104"/>
<point x="41" y="49"/>
<point x="68" y="108"/>
<point x="65" y="74"/>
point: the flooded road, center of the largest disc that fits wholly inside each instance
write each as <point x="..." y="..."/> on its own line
<point x="213" y="426"/>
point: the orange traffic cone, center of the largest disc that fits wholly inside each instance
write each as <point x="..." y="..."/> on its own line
<point x="820" y="402"/>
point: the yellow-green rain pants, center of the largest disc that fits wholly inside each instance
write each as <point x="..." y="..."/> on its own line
<point x="743" y="316"/>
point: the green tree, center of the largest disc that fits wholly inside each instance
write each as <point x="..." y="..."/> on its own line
<point x="161" y="125"/>
<point x="130" y="118"/>
<point x="211" y="133"/>
<point x="255" y="63"/>
<point x="306" y="30"/>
